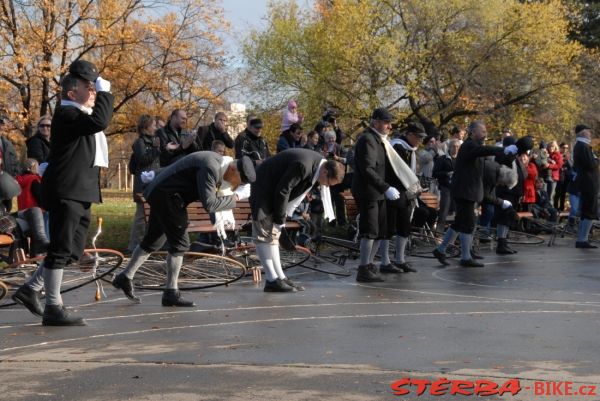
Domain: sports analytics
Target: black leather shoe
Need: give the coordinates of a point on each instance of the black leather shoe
(585, 245)
(405, 267)
(278, 285)
(57, 315)
(390, 269)
(30, 299)
(293, 285)
(368, 275)
(440, 257)
(173, 298)
(123, 283)
(470, 263)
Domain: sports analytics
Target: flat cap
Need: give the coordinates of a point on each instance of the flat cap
(246, 169)
(524, 144)
(84, 69)
(415, 128)
(382, 114)
(581, 127)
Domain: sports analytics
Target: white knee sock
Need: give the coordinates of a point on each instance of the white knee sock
(138, 258)
(374, 250)
(52, 282)
(276, 261)
(401, 248)
(36, 282)
(173, 267)
(384, 249)
(264, 254)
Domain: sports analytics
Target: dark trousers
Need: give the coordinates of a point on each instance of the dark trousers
(69, 223)
(589, 204)
(445, 204)
(168, 218)
(559, 195)
(372, 220)
(398, 217)
(338, 202)
(464, 222)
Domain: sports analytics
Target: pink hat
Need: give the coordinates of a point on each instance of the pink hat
(291, 104)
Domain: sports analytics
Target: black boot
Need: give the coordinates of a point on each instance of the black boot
(297, 287)
(502, 248)
(57, 315)
(441, 257)
(30, 299)
(475, 255)
(173, 298)
(366, 274)
(279, 285)
(123, 283)
(470, 263)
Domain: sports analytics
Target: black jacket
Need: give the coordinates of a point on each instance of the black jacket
(468, 170)
(585, 164)
(38, 148)
(71, 173)
(442, 167)
(166, 135)
(10, 161)
(490, 179)
(255, 147)
(209, 133)
(280, 179)
(368, 182)
(147, 158)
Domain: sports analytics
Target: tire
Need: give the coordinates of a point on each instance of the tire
(422, 246)
(3, 290)
(198, 271)
(521, 238)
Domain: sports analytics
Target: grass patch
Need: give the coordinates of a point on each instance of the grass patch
(117, 211)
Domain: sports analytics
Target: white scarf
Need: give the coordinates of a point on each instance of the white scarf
(101, 156)
(325, 197)
(405, 174)
(413, 151)
(584, 140)
(224, 219)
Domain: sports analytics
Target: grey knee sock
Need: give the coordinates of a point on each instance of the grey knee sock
(52, 282)
(466, 241)
(276, 261)
(36, 282)
(585, 225)
(501, 231)
(264, 254)
(138, 257)
(173, 267)
(401, 248)
(384, 249)
(449, 238)
(366, 245)
(374, 250)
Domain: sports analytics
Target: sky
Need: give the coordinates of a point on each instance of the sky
(243, 15)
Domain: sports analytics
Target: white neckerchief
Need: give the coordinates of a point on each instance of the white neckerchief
(405, 174)
(329, 214)
(224, 219)
(413, 153)
(101, 156)
(584, 140)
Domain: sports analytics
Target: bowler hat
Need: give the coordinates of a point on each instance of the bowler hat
(84, 69)
(246, 169)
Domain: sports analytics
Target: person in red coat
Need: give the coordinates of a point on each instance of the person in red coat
(555, 163)
(532, 173)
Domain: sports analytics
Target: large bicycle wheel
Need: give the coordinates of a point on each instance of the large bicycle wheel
(198, 271)
(341, 243)
(246, 254)
(3, 290)
(293, 258)
(422, 245)
(521, 238)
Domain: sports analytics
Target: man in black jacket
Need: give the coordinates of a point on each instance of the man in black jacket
(252, 143)
(10, 161)
(71, 184)
(215, 131)
(370, 190)
(282, 182)
(38, 146)
(585, 164)
(175, 143)
(467, 191)
(198, 176)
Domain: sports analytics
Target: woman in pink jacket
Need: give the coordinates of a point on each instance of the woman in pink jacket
(555, 163)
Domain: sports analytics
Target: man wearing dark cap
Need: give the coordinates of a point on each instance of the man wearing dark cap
(200, 176)
(175, 142)
(399, 211)
(370, 190)
(585, 165)
(70, 184)
(467, 191)
(251, 142)
(282, 182)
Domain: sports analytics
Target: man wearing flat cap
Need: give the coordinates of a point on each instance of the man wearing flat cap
(282, 182)
(70, 184)
(370, 190)
(585, 165)
(199, 176)
(251, 143)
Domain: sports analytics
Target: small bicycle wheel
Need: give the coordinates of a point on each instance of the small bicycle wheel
(422, 246)
(198, 271)
(521, 238)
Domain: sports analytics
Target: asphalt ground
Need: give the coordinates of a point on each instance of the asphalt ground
(530, 319)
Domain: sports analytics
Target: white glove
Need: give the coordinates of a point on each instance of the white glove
(242, 191)
(392, 193)
(147, 176)
(511, 150)
(506, 204)
(102, 85)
